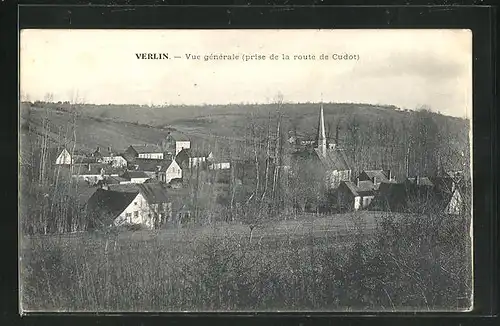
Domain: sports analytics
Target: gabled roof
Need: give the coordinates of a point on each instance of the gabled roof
(83, 192)
(166, 165)
(363, 188)
(106, 205)
(391, 196)
(134, 174)
(177, 136)
(333, 159)
(378, 174)
(82, 159)
(95, 168)
(149, 165)
(154, 193)
(114, 180)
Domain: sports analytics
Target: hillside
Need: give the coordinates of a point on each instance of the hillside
(378, 131)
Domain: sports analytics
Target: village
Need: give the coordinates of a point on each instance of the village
(148, 185)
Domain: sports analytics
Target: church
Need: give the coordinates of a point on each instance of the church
(330, 160)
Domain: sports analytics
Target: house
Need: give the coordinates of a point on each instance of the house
(149, 166)
(106, 208)
(355, 195)
(135, 176)
(147, 151)
(93, 172)
(439, 194)
(191, 158)
(109, 157)
(175, 142)
(419, 188)
(169, 170)
(448, 191)
(156, 204)
(391, 197)
(64, 158)
(147, 206)
(376, 176)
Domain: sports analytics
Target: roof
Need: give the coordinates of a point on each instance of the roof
(127, 187)
(149, 165)
(108, 204)
(391, 196)
(147, 148)
(154, 193)
(83, 192)
(81, 159)
(114, 180)
(166, 164)
(177, 136)
(333, 159)
(90, 168)
(134, 174)
(362, 188)
(378, 174)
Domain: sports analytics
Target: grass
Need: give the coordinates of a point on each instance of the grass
(313, 263)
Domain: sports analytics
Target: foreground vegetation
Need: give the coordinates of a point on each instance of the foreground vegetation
(406, 263)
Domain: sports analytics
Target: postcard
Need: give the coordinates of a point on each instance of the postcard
(245, 170)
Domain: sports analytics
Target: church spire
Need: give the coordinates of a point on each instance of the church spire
(321, 138)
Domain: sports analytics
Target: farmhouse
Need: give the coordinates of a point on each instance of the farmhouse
(93, 172)
(355, 196)
(170, 170)
(148, 166)
(152, 208)
(147, 151)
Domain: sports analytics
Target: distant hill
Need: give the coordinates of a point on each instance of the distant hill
(118, 126)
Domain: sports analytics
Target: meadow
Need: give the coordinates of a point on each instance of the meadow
(352, 262)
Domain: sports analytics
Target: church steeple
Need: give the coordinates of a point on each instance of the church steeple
(321, 137)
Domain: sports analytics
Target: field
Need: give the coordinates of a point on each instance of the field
(333, 263)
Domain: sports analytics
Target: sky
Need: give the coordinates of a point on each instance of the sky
(405, 68)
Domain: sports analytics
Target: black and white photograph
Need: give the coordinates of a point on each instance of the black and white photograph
(271, 170)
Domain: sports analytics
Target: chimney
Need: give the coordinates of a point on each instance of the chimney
(388, 173)
(89, 167)
(417, 180)
(374, 180)
(357, 182)
(98, 149)
(109, 149)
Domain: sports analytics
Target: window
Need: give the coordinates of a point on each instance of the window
(136, 214)
(135, 203)
(128, 215)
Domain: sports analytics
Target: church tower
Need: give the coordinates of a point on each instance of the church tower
(321, 137)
